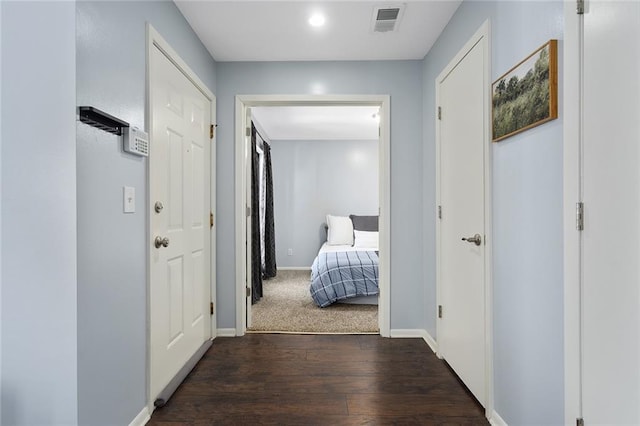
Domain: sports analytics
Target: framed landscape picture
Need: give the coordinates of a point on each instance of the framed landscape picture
(526, 95)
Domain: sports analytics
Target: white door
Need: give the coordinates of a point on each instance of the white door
(611, 195)
(179, 173)
(461, 263)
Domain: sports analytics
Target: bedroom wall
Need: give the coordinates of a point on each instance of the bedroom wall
(312, 179)
(39, 370)
(400, 79)
(527, 216)
(112, 298)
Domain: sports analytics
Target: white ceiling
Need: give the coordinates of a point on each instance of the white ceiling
(317, 123)
(242, 30)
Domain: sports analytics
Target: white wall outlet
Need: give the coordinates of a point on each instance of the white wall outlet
(290, 252)
(129, 194)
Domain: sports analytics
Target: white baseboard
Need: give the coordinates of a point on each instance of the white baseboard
(413, 333)
(406, 332)
(226, 332)
(430, 341)
(496, 420)
(294, 268)
(142, 418)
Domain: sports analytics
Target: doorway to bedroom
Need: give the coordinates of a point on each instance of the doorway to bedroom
(317, 181)
(319, 165)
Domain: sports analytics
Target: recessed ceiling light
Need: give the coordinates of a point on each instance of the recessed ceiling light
(316, 20)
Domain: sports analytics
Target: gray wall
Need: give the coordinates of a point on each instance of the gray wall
(312, 179)
(400, 79)
(39, 377)
(112, 315)
(527, 217)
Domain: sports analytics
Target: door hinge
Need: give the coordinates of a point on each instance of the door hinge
(439, 311)
(580, 7)
(580, 216)
(211, 309)
(439, 212)
(210, 220)
(248, 131)
(439, 113)
(579, 421)
(211, 130)
(248, 212)
(248, 291)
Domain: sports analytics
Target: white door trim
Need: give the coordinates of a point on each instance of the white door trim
(154, 39)
(214, 255)
(383, 101)
(572, 194)
(482, 35)
(572, 190)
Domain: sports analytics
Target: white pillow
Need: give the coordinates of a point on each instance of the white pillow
(340, 230)
(366, 239)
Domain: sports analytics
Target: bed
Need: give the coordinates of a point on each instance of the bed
(346, 273)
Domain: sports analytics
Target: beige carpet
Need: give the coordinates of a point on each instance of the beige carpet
(286, 306)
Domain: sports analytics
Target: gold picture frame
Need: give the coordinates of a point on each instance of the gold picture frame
(526, 96)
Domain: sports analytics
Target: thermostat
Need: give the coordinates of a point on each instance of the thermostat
(136, 141)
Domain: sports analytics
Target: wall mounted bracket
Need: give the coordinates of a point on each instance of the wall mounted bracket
(100, 119)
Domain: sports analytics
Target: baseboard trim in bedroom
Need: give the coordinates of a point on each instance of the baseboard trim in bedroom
(294, 268)
(413, 333)
(226, 332)
(496, 420)
(142, 418)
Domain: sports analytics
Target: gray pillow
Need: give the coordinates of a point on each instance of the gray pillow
(364, 223)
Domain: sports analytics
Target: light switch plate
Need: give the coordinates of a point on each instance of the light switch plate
(129, 194)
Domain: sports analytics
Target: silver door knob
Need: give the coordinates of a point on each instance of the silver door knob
(161, 242)
(476, 239)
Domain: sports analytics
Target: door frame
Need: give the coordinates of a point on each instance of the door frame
(482, 35)
(155, 40)
(243, 102)
(572, 190)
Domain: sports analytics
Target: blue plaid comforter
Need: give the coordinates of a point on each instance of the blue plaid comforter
(343, 274)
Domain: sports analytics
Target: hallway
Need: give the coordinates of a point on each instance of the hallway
(319, 379)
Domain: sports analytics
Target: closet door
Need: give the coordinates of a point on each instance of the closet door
(611, 195)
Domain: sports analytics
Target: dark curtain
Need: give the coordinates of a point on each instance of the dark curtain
(270, 269)
(256, 256)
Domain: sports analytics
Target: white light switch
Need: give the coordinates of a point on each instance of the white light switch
(129, 199)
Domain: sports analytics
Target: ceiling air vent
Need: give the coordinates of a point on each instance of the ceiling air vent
(387, 18)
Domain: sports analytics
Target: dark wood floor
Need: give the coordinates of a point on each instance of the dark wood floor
(269, 379)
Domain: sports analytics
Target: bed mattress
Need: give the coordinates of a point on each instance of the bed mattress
(340, 273)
